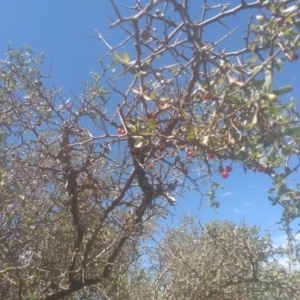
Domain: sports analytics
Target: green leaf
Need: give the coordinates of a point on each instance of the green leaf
(286, 150)
(253, 59)
(292, 131)
(258, 83)
(253, 46)
(191, 135)
(254, 119)
(278, 67)
(268, 85)
(153, 96)
(291, 16)
(283, 90)
(249, 126)
(138, 145)
(205, 140)
(174, 70)
(133, 71)
(150, 124)
(126, 57)
(119, 58)
(255, 27)
(146, 66)
(285, 198)
(131, 127)
(137, 138)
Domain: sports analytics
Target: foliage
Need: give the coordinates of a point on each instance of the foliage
(216, 261)
(84, 179)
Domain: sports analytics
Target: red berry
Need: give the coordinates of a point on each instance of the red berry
(190, 153)
(294, 56)
(225, 138)
(151, 115)
(206, 96)
(150, 167)
(281, 21)
(133, 150)
(225, 174)
(228, 169)
(179, 118)
(121, 131)
(211, 155)
(185, 171)
(260, 169)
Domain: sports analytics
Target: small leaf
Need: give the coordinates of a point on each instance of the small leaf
(249, 126)
(118, 57)
(146, 66)
(285, 198)
(253, 59)
(255, 27)
(291, 16)
(137, 138)
(205, 140)
(174, 70)
(126, 57)
(131, 127)
(138, 145)
(253, 47)
(278, 67)
(258, 83)
(191, 135)
(292, 131)
(254, 119)
(283, 90)
(163, 99)
(268, 85)
(153, 96)
(272, 97)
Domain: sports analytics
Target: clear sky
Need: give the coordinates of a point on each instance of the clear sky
(56, 27)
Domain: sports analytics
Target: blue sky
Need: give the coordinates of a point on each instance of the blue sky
(57, 27)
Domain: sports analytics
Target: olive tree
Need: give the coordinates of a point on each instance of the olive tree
(85, 178)
(219, 260)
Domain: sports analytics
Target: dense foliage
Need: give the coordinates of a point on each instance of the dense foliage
(216, 261)
(84, 179)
